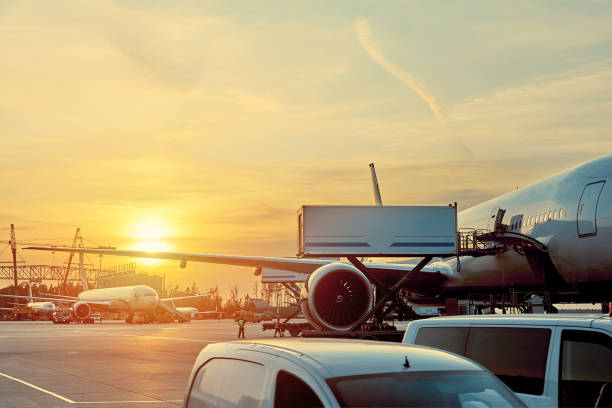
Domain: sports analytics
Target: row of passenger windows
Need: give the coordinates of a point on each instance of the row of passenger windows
(557, 214)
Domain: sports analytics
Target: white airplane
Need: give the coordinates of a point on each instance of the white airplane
(134, 300)
(38, 307)
(558, 239)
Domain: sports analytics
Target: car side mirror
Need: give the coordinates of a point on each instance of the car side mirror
(605, 396)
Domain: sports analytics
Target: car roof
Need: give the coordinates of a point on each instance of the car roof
(341, 357)
(536, 319)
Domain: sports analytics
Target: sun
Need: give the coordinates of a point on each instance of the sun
(150, 229)
(149, 234)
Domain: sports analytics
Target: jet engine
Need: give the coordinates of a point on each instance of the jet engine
(82, 310)
(336, 296)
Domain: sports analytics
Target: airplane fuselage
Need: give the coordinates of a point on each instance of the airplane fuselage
(139, 298)
(570, 213)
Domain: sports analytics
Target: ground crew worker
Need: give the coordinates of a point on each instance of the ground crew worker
(277, 328)
(241, 327)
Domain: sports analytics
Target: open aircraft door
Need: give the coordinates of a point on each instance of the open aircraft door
(587, 209)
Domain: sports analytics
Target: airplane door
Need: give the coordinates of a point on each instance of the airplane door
(587, 209)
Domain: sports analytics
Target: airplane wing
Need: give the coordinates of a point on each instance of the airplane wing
(46, 299)
(182, 297)
(60, 297)
(428, 280)
(288, 264)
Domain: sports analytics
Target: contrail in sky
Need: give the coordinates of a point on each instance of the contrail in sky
(368, 42)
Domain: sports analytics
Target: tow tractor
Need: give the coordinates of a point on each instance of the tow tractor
(293, 328)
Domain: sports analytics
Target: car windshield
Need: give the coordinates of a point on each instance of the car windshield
(474, 389)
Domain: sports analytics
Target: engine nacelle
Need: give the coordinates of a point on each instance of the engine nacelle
(336, 296)
(81, 310)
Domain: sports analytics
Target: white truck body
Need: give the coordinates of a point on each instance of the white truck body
(547, 359)
(393, 231)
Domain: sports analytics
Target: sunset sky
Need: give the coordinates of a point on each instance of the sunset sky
(200, 126)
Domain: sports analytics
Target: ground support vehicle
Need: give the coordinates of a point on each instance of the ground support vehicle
(23, 313)
(211, 315)
(395, 336)
(62, 316)
(248, 316)
(294, 329)
(332, 372)
(547, 359)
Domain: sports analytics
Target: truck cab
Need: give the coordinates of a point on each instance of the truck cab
(547, 360)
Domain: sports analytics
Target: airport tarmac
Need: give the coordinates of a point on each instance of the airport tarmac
(109, 364)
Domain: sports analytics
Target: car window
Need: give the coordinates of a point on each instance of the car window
(452, 339)
(225, 382)
(423, 389)
(586, 364)
(517, 356)
(293, 392)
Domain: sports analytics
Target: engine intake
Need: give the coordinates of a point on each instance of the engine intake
(336, 296)
(82, 310)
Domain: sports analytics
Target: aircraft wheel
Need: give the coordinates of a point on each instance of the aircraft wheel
(294, 332)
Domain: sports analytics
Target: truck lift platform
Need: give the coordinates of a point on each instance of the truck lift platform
(425, 232)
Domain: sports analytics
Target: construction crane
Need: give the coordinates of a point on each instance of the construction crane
(78, 239)
(13, 243)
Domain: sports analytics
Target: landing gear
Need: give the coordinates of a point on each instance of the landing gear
(389, 294)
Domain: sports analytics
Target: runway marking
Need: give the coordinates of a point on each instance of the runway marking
(68, 400)
(127, 402)
(157, 337)
(38, 388)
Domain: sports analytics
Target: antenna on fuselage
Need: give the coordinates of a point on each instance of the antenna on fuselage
(377, 198)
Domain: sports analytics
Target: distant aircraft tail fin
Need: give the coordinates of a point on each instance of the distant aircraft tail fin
(377, 198)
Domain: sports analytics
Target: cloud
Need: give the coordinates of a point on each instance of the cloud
(369, 44)
(568, 113)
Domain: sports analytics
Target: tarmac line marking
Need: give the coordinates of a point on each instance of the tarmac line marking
(126, 402)
(38, 388)
(157, 337)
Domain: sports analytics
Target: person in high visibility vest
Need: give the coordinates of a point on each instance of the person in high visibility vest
(241, 327)
(277, 328)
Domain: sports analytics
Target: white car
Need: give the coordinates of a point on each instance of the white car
(338, 372)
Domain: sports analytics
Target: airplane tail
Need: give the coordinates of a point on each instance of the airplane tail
(377, 197)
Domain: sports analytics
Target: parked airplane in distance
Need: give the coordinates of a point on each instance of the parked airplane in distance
(557, 240)
(134, 300)
(42, 308)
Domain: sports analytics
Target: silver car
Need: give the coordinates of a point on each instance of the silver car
(336, 372)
